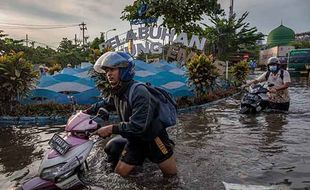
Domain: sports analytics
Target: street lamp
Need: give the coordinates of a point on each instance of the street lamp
(106, 33)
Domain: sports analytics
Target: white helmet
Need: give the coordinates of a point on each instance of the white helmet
(273, 60)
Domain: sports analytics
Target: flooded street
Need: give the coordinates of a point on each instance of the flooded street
(213, 144)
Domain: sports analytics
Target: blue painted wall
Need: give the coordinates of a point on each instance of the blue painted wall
(51, 87)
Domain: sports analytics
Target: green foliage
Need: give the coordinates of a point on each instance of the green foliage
(95, 43)
(301, 44)
(47, 109)
(68, 53)
(54, 68)
(9, 44)
(181, 15)
(201, 73)
(42, 56)
(240, 72)
(94, 55)
(17, 78)
(228, 35)
(101, 82)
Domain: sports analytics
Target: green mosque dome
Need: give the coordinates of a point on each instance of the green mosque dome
(280, 36)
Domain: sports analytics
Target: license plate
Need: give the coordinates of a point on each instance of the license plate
(58, 144)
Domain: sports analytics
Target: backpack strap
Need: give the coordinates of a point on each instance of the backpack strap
(131, 90)
(267, 75)
(282, 74)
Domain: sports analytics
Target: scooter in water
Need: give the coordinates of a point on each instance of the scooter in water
(255, 100)
(64, 165)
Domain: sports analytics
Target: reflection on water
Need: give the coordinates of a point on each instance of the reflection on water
(214, 144)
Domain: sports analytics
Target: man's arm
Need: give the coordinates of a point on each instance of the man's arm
(261, 78)
(105, 103)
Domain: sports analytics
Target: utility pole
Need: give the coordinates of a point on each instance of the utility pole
(26, 40)
(83, 28)
(75, 39)
(102, 35)
(32, 44)
(231, 8)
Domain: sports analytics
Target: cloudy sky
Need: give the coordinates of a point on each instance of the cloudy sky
(18, 17)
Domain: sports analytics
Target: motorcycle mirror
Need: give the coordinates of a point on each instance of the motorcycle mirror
(103, 113)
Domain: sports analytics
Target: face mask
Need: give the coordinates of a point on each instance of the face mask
(273, 68)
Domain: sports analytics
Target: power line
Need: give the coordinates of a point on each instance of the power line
(37, 28)
(51, 25)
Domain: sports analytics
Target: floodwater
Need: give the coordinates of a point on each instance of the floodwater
(214, 144)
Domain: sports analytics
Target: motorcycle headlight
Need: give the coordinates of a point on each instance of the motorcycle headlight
(65, 175)
(51, 173)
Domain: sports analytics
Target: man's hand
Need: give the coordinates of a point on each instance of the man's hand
(272, 90)
(105, 131)
(244, 86)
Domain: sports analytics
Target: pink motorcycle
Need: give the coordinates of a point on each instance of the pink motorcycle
(63, 166)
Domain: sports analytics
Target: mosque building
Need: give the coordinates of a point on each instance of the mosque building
(278, 43)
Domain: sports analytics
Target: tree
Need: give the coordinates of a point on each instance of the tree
(228, 35)
(182, 15)
(9, 44)
(66, 46)
(2, 44)
(43, 56)
(95, 43)
(301, 44)
(68, 53)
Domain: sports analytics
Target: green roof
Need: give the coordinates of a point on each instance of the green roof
(280, 36)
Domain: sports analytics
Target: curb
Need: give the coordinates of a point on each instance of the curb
(60, 120)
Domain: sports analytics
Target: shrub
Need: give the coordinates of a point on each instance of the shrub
(47, 109)
(201, 73)
(17, 78)
(54, 68)
(240, 71)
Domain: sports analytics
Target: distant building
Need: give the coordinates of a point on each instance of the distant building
(278, 44)
(302, 36)
(280, 36)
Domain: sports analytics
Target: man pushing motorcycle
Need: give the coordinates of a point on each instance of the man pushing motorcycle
(280, 80)
(142, 133)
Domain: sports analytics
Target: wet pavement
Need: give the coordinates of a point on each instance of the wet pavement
(213, 144)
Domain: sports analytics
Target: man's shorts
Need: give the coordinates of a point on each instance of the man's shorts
(156, 150)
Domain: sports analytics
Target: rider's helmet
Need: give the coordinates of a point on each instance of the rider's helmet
(273, 64)
(121, 60)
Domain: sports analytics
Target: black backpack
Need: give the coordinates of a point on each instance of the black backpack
(167, 103)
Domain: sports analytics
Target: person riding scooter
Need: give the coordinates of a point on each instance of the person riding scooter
(280, 80)
(143, 134)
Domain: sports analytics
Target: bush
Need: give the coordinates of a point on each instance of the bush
(240, 71)
(201, 73)
(54, 68)
(17, 78)
(48, 109)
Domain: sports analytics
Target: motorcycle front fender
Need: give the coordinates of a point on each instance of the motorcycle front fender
(244, 110)
(37, 183)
